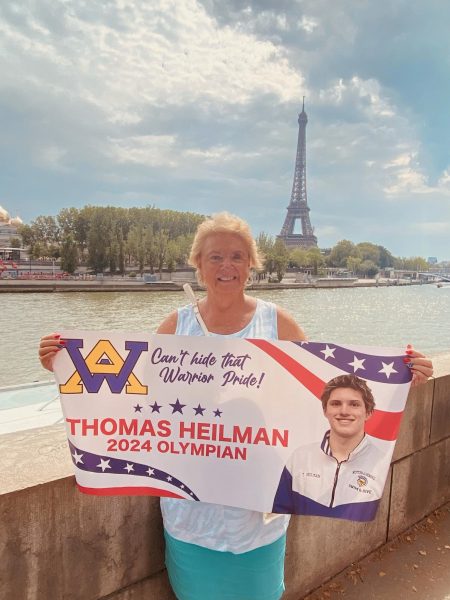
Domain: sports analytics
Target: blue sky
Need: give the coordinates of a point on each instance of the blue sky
(193, 104)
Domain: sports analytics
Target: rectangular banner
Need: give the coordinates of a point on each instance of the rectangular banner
(273, 426)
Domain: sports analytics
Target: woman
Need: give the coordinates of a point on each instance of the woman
(217, 552)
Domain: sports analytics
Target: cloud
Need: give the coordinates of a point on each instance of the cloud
(192, 104)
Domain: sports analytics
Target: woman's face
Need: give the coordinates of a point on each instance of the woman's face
(224, 262)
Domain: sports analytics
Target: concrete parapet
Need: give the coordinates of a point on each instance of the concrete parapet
(420, 483)
(415, 427)
(57, 543)
(440, 425)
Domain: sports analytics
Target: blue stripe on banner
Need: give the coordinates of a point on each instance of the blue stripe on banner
(289, 502)
(384, 369)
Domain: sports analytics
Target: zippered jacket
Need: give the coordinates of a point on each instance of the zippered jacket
(313, 482)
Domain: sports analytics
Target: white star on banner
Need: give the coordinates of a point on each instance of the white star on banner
(387, 369)
(77, 457)
(328, 352)
(150, 472)
(358, 363)
(169, 478)
(104, 464)
(129, 468)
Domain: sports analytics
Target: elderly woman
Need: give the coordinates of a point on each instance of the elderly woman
(218, 552)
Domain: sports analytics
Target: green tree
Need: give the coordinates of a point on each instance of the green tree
(299, 258)
(369, 251)
(315, 259)
(353, 264)
(280, 258)
(386, 258)
(368, 268)
(14, 242)
(69, 254)
(265, 244)
(341, 252)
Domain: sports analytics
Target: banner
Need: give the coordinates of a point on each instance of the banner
(233, 421)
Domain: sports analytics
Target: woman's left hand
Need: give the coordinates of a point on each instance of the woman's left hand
(421, 366)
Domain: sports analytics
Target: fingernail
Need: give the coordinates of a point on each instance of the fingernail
(60, 346)
(406, 359)
(410, 365)
(409, 352)
(56, 336)
(409, 346)
(62, 341)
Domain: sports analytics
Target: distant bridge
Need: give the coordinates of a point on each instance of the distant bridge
(442, 276)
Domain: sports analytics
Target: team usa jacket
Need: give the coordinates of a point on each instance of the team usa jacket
(313, 482)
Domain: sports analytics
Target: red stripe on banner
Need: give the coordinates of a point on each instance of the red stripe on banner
(311, 382)
(128, 491)
(383, 425)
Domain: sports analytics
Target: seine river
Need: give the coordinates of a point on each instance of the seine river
(392, 316)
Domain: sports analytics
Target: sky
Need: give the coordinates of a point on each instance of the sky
(193, 105)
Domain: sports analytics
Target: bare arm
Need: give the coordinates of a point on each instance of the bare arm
(169, 325)
(288, 329)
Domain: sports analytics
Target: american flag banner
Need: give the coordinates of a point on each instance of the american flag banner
(268, 425)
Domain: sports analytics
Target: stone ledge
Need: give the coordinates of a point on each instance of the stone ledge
(58, 543)
(420, 483)
(440, 424)
(414, 433)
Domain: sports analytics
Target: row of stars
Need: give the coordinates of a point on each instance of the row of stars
(358, 363)
(104, 465)
(177, 407)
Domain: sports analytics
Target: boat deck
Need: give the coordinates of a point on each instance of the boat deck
(28, 406)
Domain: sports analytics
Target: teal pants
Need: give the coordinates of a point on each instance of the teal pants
(197, 573)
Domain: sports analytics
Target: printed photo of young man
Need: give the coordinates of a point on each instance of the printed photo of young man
(343, 475)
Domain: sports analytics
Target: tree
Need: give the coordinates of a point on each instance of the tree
(341, 252)
(315, 259)
(299, 258)
(353, 264)
(265, 246)
(14, 242)
(161, 246)
(368, 268)
(369, 251)
(280, 258)
(386, 258)
(69, 254)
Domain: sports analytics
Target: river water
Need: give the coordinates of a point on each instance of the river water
(392, 316)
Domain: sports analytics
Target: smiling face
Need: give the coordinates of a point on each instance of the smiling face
(224, 262)
(346, 412)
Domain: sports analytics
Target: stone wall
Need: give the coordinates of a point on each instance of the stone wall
(58, 544)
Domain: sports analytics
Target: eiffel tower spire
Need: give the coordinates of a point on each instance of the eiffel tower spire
(298, 207)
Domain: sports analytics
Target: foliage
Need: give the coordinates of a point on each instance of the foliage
(112, 238)
(280, 256)
(69, 254)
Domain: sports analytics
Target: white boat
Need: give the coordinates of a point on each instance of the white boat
(28, 406)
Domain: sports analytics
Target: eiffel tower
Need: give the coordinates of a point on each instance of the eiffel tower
(298, 207)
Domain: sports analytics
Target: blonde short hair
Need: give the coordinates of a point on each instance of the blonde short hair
(224, 222)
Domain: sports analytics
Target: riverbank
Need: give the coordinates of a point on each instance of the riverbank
(138, 285)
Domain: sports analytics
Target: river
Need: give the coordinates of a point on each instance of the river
(392, 316)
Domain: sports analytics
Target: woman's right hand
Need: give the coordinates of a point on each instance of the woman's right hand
(48, 347)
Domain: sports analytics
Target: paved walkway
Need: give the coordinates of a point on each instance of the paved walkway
(416, 566)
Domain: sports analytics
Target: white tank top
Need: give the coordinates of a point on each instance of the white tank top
(214, 526)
